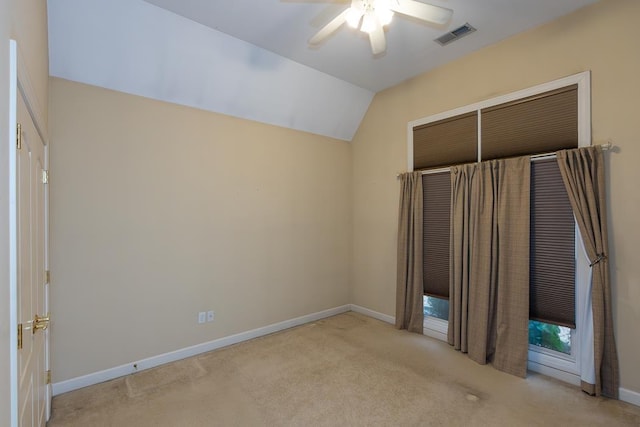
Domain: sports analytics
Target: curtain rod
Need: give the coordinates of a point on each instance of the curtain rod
(605, 147)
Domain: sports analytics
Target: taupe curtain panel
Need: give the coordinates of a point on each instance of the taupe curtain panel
(409, 314)
(583, 175)
(489, 277)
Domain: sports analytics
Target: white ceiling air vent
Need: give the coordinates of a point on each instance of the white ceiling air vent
(456, 34)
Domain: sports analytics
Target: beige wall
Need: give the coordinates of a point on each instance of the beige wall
(601, 38)
(148, 199)
(159, 211)
(26, 22)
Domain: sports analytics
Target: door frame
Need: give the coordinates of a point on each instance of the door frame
(20, 85)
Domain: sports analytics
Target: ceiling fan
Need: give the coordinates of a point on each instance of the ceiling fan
(370, 16)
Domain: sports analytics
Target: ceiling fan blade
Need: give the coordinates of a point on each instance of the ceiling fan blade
(423, 11)
(377, 39)
(332, 26)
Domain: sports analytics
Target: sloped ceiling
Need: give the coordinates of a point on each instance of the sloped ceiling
(135, 47)
(250, 58)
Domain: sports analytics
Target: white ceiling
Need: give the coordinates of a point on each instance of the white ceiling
(285, 26)
(251, 59)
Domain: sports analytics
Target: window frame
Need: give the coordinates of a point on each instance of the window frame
(432, 326)
(556, 364)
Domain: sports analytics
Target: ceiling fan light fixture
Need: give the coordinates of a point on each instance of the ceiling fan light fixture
(369, 23)
(385, 16)
(353, 17)
(371, 16)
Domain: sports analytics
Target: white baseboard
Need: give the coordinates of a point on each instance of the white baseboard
(629, 396)
(151, 362)
(433, 329)
(61, 387)
(374, 314)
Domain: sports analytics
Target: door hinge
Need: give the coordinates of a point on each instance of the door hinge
(19, 336)
(47, 277)
(48, 377)
(45, 176)
(19, 136)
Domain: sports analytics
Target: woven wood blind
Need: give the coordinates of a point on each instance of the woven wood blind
(552, 265)
(542, 123)
(446, 142)
(436, 189)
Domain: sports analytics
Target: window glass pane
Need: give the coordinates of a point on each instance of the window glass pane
(436, 307)
(553, 337)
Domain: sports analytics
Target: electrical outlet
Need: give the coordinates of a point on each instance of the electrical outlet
(202, 317)
(210, 316)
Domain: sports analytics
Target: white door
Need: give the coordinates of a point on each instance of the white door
(31, 393)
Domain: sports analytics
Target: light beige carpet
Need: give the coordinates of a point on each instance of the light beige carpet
(347, 370)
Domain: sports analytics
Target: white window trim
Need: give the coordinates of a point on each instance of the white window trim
(435, 328)
(548, 362)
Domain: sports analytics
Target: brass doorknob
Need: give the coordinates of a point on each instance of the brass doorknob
(40, 323)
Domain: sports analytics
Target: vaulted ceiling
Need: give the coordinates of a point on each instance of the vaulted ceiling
(251, 58)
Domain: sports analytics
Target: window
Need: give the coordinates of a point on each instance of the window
(539, 123)
(535, 121)
(545, 356)
(550, 336)
(436, 307)
(552, 297)
(436, 317)
(552, 257)
(552, 248)
(436, 190)
(509, 126)
(446, 142)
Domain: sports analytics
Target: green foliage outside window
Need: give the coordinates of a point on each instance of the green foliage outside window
(553, 337)
(436, 307)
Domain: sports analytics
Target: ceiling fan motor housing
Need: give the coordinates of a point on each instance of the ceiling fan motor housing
(370, 16)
